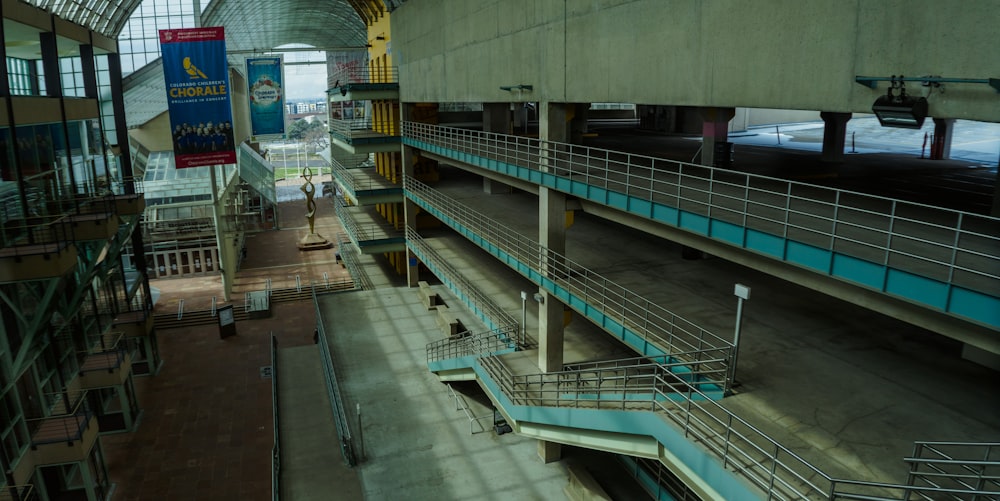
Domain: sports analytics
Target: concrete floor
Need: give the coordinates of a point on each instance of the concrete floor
(845, 387)
(418, 444)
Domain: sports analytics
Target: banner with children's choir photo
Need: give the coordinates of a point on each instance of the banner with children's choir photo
(197, 76)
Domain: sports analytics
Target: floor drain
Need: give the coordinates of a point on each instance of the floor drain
(265, 372)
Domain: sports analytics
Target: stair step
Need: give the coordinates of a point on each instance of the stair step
(204, 317)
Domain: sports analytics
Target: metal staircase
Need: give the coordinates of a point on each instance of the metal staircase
(683, 398)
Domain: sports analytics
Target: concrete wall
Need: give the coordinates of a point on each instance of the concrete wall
(783, 54)
(155, 134)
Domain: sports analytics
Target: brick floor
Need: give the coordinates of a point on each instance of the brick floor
(206, 430)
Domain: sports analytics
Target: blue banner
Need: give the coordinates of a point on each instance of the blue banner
(197, 76)
(267, 97)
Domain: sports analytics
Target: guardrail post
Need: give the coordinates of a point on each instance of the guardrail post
(361, 432)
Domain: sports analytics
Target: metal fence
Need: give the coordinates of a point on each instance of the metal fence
(359, 179)
(276, 447)
(363, 232)
(366, 74)
(347, 447)
(949, 246)
(780, 473)
(653, 323)
(474, 344)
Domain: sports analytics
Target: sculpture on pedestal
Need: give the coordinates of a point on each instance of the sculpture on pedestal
(313, 240)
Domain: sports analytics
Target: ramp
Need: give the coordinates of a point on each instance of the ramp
(311, 464)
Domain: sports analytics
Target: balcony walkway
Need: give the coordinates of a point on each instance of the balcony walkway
(814, 372)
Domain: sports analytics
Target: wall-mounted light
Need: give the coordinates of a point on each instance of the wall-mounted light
(517, 87)
(380, 37)
(900, 111)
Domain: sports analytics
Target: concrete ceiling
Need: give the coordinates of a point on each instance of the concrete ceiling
(106, 17)
(252, 26)
(256, 25)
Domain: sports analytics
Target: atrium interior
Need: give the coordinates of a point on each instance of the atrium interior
(599, 250)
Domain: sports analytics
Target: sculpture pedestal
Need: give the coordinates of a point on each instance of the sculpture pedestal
(314, 241)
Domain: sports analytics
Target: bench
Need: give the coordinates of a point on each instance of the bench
(449, 323)
(430, 298)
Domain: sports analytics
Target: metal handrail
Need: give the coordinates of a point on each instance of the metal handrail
(347, 447)
(362, 232)
(356, 182)
(477, 301)
(343, 127)
(881, 491)
(736, 442)
(657, 479)
(128, 187)
(276, 447)
(113, 352)
(349, 255)
(71, 410)
(955, 465)
(952, 246)
(478, 344)
(462, 405)
(770, 466)
(24, 492)
(36, 235)
(344, 76)
(652, 322)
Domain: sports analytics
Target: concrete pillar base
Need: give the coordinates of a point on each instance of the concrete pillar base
(715, 131)
(995, 212)
(497, 118)
(495, 187)
(412, 269)
(551, 322)
(943, 131)
(549, 452)
(834, 135)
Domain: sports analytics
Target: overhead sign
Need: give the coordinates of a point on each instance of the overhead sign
(267, 97)
(197, 77)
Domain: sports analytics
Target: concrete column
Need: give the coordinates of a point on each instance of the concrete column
(552, 122)
(549, 452)
(410, 220)
(578, 122)
(943, 131)
(552, 126)
(552, 235)
(834, 135)
(995, 212)
(496, 118)
(714, 130)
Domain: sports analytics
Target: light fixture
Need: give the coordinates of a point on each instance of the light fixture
(517, 87)
(900, 111)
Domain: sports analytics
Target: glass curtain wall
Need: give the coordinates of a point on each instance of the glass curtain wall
(139, 42)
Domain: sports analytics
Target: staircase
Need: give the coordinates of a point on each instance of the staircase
(682, 399)
(186, 319)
